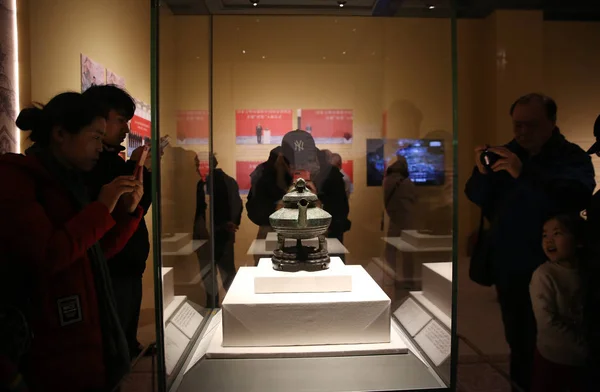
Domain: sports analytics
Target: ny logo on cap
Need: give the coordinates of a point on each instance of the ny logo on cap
(299, 145)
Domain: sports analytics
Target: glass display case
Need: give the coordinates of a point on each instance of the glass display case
(363, 109)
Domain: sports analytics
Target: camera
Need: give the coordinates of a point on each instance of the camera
(488, 158)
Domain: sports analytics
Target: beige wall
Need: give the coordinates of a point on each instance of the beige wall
(381, 70)
(399, 65)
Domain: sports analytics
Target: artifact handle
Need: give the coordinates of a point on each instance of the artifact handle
(302, 208)
(300, 185)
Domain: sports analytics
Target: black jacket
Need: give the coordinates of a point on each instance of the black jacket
(264, 194)
(558, 180)
(131, 261)
(331, 190)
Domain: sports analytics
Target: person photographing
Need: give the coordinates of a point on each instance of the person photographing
(54, 242)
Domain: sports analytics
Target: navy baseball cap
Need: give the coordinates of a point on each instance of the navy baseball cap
(299, 148)
(596, 146)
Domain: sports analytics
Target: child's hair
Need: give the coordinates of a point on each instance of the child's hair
(572, 224)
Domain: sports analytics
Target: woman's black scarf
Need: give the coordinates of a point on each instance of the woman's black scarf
(116, 352)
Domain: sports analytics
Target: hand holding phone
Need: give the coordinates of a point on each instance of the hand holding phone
(164, 142)
(138, 173)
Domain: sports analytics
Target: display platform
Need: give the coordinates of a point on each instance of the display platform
(437, 285)
(168, 287)
(334, 279)
(426, 315)
(403, 246)
(259, 247)
(407, 371)
(175, 241)
(425, 240)
(294, 319)
(217, 351)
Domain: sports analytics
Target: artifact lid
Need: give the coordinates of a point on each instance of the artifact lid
(300, 192)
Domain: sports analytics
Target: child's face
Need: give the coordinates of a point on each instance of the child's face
(558, 244)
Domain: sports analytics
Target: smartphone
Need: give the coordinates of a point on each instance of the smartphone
(137, 173)
(304, 174)
(164, 142)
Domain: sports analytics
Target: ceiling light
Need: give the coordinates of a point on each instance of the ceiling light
(243, 52)
(264, 57)
(341, 3)
(344, 52)
(431, 6)
(254, 2)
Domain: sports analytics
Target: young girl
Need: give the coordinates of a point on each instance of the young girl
(557, 298)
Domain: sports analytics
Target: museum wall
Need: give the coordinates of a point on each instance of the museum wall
(367, 65)
(572, 77)
(401, 68)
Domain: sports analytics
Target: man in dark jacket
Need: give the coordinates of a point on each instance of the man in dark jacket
(126, 267)
(268, 183)
(591, 271)
(537, 175)
(331, 190)
(227, 216)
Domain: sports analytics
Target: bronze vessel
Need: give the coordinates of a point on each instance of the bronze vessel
(300, 218)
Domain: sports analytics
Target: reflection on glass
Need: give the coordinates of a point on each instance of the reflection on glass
(360, 110)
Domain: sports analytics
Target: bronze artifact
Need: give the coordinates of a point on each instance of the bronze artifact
(300, 218)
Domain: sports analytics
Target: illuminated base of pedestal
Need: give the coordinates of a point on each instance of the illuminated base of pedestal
(360, 316)
(216, 349)
(336, 278)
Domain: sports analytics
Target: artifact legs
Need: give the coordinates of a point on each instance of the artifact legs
(322, 243)
(280, 242)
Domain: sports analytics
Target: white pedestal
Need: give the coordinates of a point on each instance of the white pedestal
(266, 137)
(420, 240)
(336, 278)
(437, 285)
(302, 319)
(271, 242)
(176, 242)
(216, 349)
(168, 287)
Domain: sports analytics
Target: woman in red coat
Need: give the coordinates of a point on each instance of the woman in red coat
(53, 245)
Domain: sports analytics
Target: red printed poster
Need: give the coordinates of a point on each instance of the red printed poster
(192, 127)
(140, 127)
(331, 126)
(243, 169)
(348, 168)
(262, 126)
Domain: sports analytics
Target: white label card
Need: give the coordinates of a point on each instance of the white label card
(435, 341)
(175, 344)
(412, 316)
(187, 319)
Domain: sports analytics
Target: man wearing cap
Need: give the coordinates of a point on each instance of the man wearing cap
(537, 175)
(268, 183)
